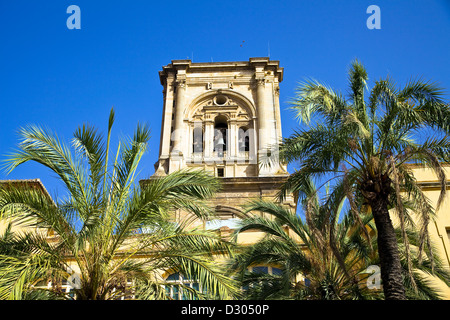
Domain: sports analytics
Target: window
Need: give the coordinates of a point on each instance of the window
(197, 144)
(72, 293)
(276, 271)
(226, 217)
(220, 172)
(220, 135)
(173, 277)
(260, 269)
(176, 291)
(267, 270)
(231, 223)
(307, 282)
(244, 139)
(254, 284)
(220, 100)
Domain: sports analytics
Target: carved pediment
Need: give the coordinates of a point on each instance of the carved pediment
(222, 102)
(241, 114)
(198, 115)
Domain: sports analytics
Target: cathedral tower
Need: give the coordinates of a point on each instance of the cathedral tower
(224, 117)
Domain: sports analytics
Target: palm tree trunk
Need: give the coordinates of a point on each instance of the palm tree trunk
(391, 270)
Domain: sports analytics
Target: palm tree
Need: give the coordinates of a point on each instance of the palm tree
(332, 253)
(107, 229)
(369, 146)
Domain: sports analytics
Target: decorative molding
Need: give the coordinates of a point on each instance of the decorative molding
(277, 90)
(234, 98)
(181, 83)
(260, 82)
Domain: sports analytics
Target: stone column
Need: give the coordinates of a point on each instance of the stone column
(179, 130)
(264, 128)
(209, 138)
(278, 122)
(263, 115)
(254, 142)
(189, 140)
(232, 144)
(276, 100)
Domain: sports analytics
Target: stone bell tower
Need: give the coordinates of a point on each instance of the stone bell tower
(224, 117)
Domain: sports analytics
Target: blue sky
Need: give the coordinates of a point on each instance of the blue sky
(61, 78)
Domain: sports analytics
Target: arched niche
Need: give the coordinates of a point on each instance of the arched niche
(227, 102)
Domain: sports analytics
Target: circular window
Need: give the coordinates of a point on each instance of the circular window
(220, 99)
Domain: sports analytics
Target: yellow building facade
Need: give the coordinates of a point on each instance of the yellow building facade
(439, 227)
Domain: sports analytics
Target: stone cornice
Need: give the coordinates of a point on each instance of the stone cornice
(194, 67)
(28, 184)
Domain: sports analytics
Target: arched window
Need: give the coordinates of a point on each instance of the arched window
(230, 222)
(244, 139)
(226, 217)
(177, 285)
(197, 140)
(220, 135)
